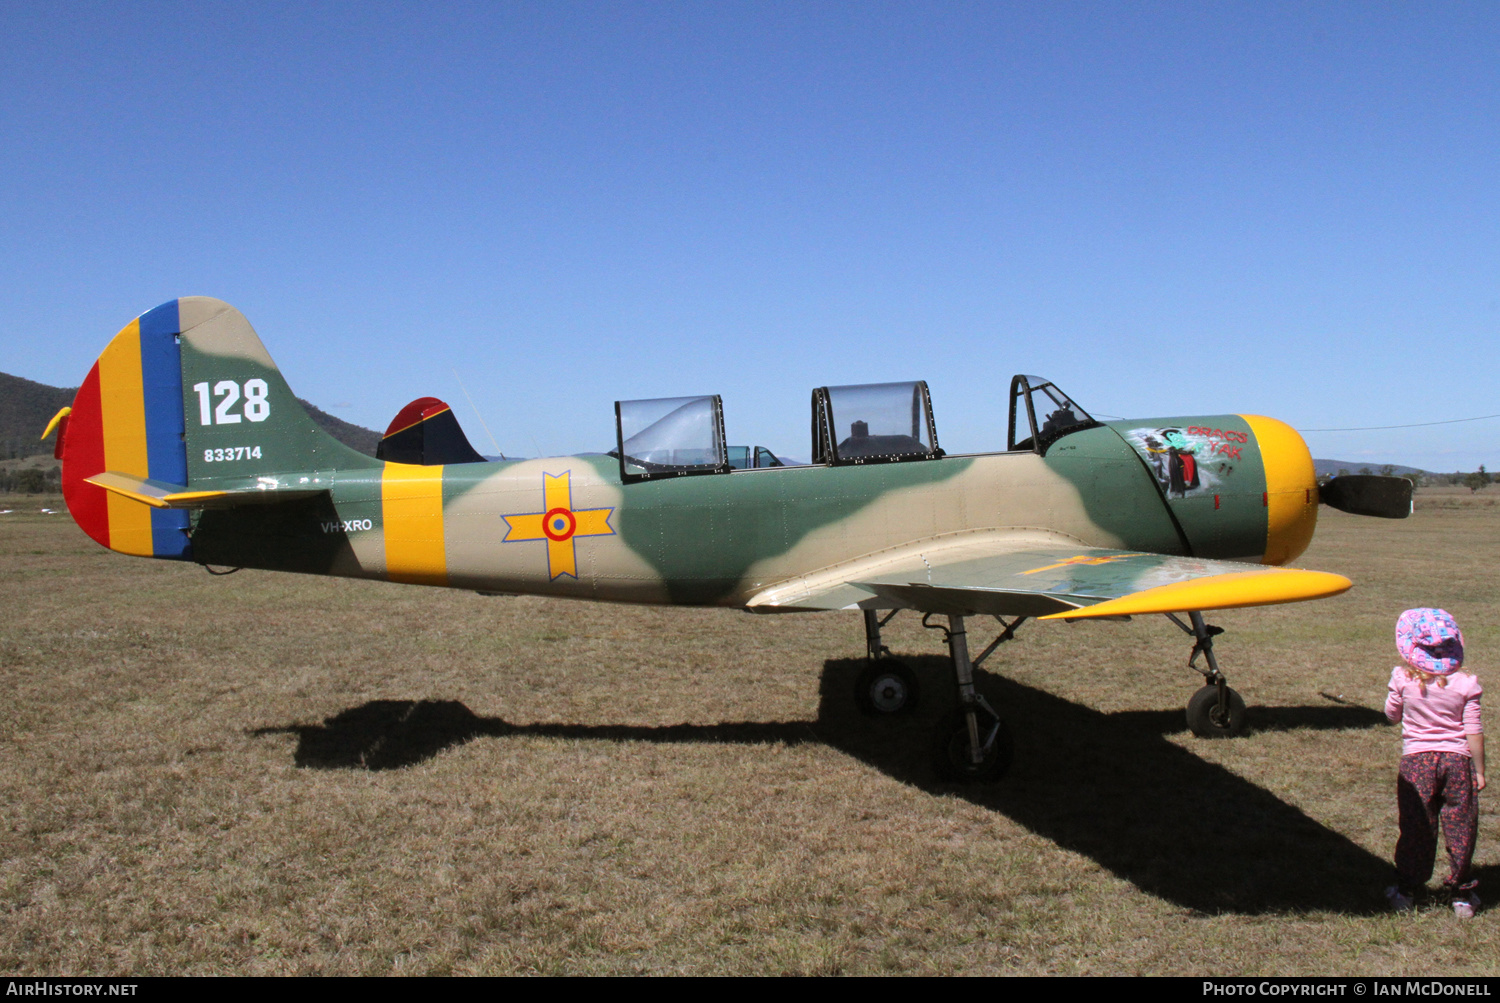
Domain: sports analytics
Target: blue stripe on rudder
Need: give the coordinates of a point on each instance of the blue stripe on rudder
(166, 455)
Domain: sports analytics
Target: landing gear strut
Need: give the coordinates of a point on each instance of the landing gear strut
(886, 686)
(973, 743)
(1215, 711)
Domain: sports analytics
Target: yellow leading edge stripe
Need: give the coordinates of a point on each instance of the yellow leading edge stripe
(1231, 591)
(411, 498)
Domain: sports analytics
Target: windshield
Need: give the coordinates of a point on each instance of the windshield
(1040, 413)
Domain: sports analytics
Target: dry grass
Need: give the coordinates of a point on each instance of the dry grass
(276, 774)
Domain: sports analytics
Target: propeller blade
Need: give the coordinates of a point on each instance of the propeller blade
(1368, 494)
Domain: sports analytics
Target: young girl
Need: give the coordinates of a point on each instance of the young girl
(1442, 758)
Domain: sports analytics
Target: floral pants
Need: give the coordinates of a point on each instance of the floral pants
(1436, 788)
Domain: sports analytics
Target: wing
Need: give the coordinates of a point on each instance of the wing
(1046, 577)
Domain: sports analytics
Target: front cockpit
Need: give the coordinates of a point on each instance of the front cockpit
(873, 423)
(1032, 397)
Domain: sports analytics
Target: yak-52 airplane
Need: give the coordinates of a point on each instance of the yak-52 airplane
(185, 443)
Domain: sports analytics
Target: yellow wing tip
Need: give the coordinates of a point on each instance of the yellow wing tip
(1232, 591)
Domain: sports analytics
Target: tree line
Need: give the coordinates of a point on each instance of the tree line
(1476, 480)
(31, 481)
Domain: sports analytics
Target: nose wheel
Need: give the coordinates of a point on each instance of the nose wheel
(1215, 711)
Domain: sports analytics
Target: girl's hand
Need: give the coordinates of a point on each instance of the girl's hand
(1478, 782)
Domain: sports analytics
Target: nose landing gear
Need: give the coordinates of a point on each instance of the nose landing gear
(1215, 711)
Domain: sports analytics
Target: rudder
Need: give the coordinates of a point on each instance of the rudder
(127, 418)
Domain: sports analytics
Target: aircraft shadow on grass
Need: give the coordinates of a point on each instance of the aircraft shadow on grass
(1109, 787)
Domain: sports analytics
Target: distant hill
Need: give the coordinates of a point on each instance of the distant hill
(352, 435)
(1330, 468)
(26, 407)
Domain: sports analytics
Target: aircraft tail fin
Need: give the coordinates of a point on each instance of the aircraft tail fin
(185, 404)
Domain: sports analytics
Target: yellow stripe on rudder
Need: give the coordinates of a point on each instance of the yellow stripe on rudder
(122, 404)
(411, 498)
(1291, 488)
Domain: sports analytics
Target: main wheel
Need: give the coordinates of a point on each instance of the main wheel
(1207, 721)
(886, 686)
(951, 756)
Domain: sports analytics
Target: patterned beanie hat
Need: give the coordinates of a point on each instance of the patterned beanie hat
(1430, 641)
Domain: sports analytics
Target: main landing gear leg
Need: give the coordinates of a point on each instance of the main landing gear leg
(886, 686)
(1215, 711)
(974, 743)
(873, 646)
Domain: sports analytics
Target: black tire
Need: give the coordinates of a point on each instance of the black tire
(886, 687)
(951, 755)
(1205, 719)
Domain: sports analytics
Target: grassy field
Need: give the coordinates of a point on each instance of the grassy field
(275, 774)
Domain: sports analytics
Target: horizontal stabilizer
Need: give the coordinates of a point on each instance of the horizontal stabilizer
(1368, 494)
(160, 494)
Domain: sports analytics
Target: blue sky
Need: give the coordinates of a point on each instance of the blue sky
(1169, 209)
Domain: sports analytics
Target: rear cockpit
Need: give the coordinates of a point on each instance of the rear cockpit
(670, 437)
(851, 425)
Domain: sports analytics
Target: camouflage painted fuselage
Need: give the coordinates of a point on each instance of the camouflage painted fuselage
(187, 399)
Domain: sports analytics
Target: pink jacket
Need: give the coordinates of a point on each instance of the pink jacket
(1438, 720)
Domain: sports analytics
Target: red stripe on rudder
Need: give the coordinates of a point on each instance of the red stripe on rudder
(83, 456)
